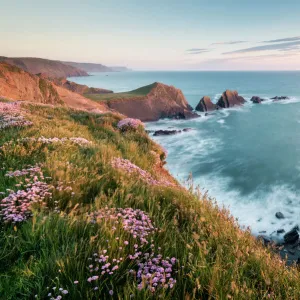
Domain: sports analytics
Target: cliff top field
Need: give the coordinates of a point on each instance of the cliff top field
(89, 212)
(142, 91)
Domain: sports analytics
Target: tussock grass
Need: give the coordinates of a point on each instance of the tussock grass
(216, 260)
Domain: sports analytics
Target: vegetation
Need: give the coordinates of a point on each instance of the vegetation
(56, 247)
(140, 92)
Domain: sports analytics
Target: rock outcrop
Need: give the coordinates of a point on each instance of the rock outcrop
(17, 84)
(79, 88)
(49, 68)
(205, 104)
(159, 101)
(229, 99)
(256, 99)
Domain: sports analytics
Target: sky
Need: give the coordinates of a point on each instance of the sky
(156, 34)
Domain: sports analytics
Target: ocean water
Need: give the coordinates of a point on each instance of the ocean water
(247, 158)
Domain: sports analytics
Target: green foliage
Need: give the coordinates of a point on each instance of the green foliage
(216, 259)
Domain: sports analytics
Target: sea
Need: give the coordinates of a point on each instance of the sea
(246, 158)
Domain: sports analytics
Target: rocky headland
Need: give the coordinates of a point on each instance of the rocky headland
(151, 103)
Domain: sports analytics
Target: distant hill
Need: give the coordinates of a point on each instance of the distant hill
(92, 67)
(50, 68)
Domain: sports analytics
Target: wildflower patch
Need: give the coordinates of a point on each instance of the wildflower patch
(130, 168)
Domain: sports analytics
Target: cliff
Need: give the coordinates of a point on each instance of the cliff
(94, 67)
(17, 84)
(49, 68)
(149, 103)
(88, 212)
(79, 88)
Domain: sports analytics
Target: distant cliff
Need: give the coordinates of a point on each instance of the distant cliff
(93, 67)
(88, 67)
(50, 68)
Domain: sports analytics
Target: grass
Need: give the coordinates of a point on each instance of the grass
(216, 260)
(140, 92)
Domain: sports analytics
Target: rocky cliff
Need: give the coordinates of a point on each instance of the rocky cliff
(49, 68)
(17, 84)
(205, 104)
(159, 101)
(229, 99)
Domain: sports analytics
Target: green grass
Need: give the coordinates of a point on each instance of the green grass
(216, 260)
(140, 92)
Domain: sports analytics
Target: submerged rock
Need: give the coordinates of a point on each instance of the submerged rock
(292, 236)
(205, 104)
(229, 99)
(256, 99)
(166, 132)
(279, 215)
(276, 98)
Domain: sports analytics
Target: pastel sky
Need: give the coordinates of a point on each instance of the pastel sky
(156, 34)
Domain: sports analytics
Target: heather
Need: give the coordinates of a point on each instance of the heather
(88, 212)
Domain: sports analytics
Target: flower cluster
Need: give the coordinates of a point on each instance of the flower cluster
(32, 171)
(134, 221)
(154, 272)
(129, 123)
(76, 140)
(57, 293)
(10, 116)
(130, 168)
(16, 207)
(100, 266)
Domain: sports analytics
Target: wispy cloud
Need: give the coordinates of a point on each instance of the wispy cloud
(291, 46)
(290, 39)
(229, 43)
(197, 50)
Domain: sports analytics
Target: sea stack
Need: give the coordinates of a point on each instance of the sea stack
(205, 104)
(229, 99)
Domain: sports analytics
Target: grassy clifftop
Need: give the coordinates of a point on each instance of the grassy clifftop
(143, 91)
(105, 228)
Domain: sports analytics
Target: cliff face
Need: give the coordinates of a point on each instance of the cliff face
(229, 99)
(161, 101)
(16, 84)
(79, 88)
(49, 68)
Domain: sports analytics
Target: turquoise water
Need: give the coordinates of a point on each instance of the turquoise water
(248, 158)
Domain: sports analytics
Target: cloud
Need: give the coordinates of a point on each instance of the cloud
(198, 50)
(279, 47)
(291, 39)
(229, 43)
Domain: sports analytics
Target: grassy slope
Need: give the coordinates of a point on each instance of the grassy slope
(216, 259)
(143, 91)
